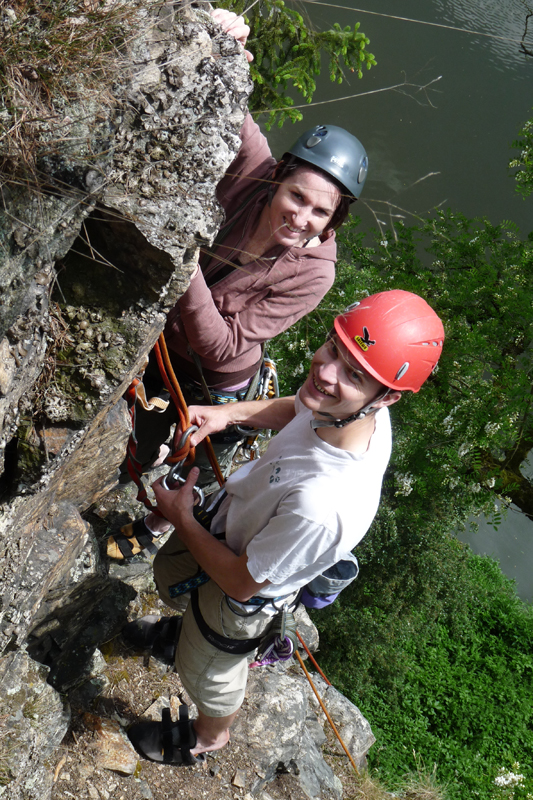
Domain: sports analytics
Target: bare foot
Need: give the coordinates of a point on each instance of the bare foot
(157, 525)
(205, 746)
(164, 450)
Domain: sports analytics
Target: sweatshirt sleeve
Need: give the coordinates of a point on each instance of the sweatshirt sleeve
(253, 162)
(266, 314)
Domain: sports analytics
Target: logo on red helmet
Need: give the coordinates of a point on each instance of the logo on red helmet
(364, 341)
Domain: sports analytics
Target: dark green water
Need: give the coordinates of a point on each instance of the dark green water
(458, 131)
(448, 144)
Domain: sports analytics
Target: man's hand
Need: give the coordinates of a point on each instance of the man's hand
(209, 419)
(273, 414)
(176, 505)
(235, 26)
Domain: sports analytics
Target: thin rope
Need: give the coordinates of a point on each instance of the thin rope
(347, 97)
(305, 647)
(417, 21)
(324, 709)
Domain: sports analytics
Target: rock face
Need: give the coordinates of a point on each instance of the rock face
(95, 256)
(98, 242)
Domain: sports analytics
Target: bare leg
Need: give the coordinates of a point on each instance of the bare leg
(212, 732)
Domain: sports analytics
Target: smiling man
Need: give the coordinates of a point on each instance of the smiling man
(287, 517)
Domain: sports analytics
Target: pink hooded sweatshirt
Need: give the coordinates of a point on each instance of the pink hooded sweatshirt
(227, 324)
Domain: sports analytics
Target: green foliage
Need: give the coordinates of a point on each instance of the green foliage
(463, 702)
(524, 163)
(287, 52)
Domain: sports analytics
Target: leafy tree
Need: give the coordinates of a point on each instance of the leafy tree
(524, 163)
(288, 52)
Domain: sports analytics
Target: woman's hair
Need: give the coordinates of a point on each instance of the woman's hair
(289, 164)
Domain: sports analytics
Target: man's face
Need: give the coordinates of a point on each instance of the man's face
(337, 384)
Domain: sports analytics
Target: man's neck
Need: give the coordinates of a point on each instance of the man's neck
(354, 437)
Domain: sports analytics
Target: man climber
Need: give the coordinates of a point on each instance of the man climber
(287, 517)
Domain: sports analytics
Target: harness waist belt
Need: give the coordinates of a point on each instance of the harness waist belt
(235, 646)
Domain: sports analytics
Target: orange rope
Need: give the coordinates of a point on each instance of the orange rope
(312, 659)
(172, 384)
(324, 709)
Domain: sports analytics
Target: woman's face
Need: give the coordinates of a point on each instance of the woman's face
(302, 207)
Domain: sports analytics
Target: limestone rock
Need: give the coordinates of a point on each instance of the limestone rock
(282, 733)
(33, 721)
(111, 747)
(93, 263)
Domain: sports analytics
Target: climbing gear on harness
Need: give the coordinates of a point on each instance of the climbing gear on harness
(281, 641)
(158, 634)
(325, 588)
(396, 337)
(336, 152)
(136, 536)
(267, 388)
(182, 451)
(173, 479)
(167, 742)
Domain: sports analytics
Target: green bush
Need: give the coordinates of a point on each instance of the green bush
(462, 700)
(288, 55)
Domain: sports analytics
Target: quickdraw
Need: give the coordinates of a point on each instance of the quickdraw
(267, 388)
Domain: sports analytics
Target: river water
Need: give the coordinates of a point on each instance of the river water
(447, 144)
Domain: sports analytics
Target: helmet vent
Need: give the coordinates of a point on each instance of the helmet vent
(313, 141)
(401, 372)
(363, 169)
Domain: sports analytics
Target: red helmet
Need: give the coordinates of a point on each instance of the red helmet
(395, 336)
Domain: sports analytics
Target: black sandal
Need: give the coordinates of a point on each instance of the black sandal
(132, 539)
(158, 634)
(167, 742)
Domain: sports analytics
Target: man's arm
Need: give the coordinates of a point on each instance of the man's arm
(227, 569)
(273, 414)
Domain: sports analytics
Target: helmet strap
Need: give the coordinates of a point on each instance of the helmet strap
(340, 423)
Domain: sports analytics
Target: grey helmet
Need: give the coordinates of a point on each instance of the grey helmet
(336, 152)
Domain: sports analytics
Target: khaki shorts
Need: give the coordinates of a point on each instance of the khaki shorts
(214, 680)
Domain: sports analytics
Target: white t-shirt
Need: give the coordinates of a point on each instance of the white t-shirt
(304, 505)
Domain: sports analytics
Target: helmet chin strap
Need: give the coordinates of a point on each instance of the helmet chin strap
(340, 423)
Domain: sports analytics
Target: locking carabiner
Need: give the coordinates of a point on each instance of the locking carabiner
(173, 478)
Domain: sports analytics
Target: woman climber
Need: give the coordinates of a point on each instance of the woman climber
(270, 265)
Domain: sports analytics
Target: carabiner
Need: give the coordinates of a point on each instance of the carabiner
(173, 478)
